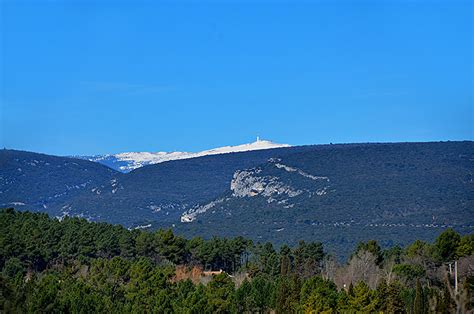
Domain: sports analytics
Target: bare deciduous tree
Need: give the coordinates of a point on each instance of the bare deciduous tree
(361, 267)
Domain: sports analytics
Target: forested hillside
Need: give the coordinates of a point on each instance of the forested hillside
(40, 182)
(162, 192)
(343, 194)
(337, 194)
(67, 186)
(72, 265)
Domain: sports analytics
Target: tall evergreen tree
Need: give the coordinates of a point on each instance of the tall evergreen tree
(395, 303)
(447, 244)
(285, 265)
(382, 295)
(419, 304)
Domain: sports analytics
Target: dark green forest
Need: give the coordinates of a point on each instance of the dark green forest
(76, 266)
(393, 192)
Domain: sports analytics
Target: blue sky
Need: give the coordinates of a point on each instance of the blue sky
(89, 77)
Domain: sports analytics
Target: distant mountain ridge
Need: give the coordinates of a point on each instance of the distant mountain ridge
(338, 194)
(126, 162)
(343, 194)
(41, 182)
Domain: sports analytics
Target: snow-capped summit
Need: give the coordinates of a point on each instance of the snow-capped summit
(258, 144)
(126, 162)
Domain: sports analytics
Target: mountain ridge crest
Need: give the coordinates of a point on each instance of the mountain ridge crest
(129, 161)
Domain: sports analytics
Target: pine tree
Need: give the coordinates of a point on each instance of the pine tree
(419, 306)
(318, 295)
(350, 290)
(285, 265)
(382, 295)
(363, 299)
(445, 304)
(282, 296)
(446, 244)
(395, 303)
(242, 296)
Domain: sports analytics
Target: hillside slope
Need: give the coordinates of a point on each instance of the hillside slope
(345, 193)
(338, 194)
(162, 192)
(39, 182)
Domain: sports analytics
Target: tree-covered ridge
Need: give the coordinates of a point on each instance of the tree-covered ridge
(41, 182)
(55, 185)
(77, 266)
(343, 194)
(337, 194)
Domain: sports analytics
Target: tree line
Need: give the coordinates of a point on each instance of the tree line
(76, 266)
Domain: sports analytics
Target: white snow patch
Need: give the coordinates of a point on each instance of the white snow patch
(136, 160)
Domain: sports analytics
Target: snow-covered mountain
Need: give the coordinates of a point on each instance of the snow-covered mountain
(126, 162)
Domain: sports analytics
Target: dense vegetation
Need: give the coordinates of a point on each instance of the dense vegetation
(77, 266)
(395, 193)
(52, 184)
(43, 182)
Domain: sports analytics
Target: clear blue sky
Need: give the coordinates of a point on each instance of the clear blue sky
(86, 77)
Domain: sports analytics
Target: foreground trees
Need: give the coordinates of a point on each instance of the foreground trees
(76, 266)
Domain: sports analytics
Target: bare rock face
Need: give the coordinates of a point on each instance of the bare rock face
(254, 182)
(250, 183)
(191, 214)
